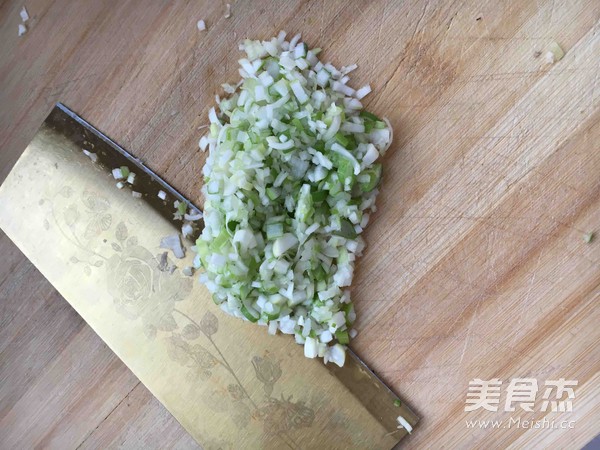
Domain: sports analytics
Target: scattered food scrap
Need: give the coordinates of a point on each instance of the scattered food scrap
(90, 155)
(193, 215)
(187, 229)
(555, 53)
(24, 18)
(201, 25)
(120, 173)
(173, 243)
(403, 423)
(24, 14)
(180, 209)
(588, 237)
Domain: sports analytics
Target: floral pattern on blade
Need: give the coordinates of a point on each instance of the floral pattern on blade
(149, 288)
(141, 290)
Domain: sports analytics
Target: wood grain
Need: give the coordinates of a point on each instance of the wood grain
(476, 267)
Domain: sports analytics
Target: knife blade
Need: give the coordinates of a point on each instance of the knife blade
(355, 376)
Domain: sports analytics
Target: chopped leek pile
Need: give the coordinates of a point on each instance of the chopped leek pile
(289, 184)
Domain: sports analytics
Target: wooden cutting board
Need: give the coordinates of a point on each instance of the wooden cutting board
(476, 266)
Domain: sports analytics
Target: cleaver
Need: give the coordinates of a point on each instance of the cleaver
(228, 382)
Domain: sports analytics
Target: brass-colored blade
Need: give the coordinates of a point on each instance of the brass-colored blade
(111, 155)
(363, 385)
(375, 396)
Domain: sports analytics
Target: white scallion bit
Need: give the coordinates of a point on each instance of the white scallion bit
(24, 14)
